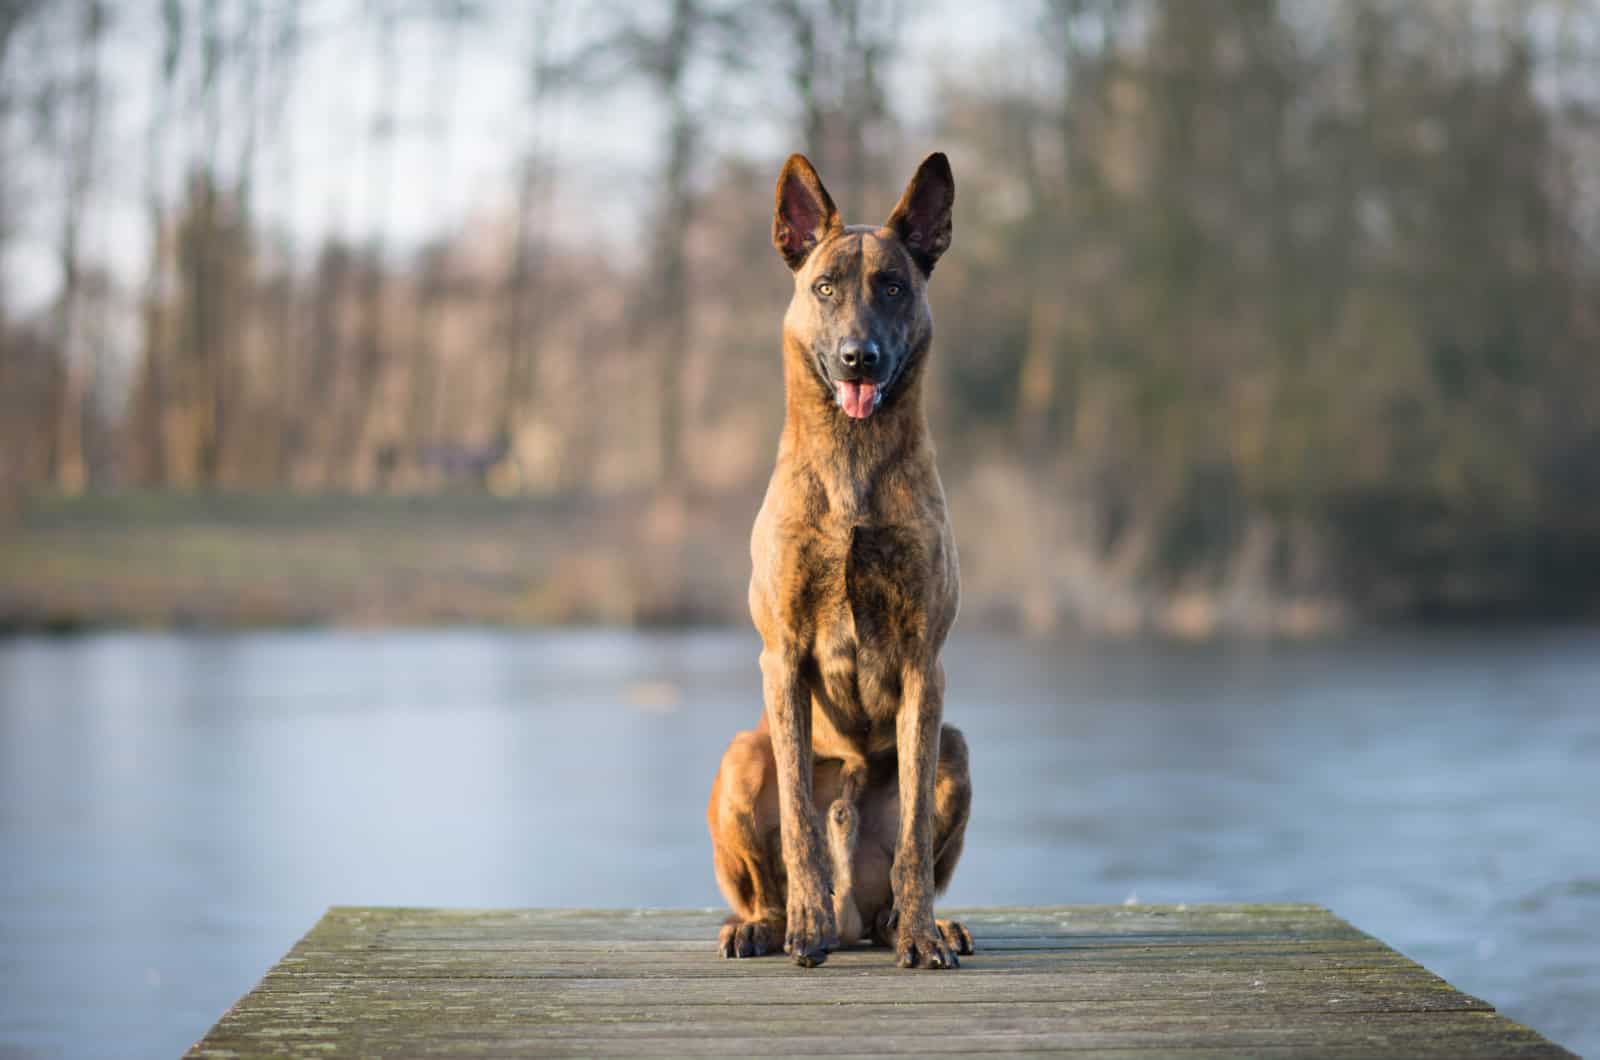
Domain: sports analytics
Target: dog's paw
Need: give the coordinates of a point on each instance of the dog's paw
(748, 938)
(956, 936)
(812, 932)
(923, 947)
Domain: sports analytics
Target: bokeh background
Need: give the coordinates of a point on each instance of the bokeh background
(1266, 383)
(1266, 317)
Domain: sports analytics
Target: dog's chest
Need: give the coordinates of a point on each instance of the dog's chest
(871, 619)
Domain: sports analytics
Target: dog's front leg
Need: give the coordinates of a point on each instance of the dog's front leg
(812, 930)
(917, 938)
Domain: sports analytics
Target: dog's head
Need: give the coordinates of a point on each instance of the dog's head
(860, 307)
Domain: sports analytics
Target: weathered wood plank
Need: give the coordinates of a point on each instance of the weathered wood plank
(644, 963)
(344, 924)
(1136, 981)
(754, 1032)
(1372, 988)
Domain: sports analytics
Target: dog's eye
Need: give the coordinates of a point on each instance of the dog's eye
(893, 290)
(825, 289)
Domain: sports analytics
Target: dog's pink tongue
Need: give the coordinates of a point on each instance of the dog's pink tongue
(858, 399)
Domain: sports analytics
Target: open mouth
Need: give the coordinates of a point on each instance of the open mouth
(858, 397)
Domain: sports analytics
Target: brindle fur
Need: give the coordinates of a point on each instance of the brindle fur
(854, 588)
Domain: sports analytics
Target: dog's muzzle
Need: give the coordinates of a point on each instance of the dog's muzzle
(858, 384)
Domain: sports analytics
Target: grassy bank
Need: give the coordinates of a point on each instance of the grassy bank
(143, 559)
(240, 560)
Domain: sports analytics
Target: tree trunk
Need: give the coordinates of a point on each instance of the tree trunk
(670, 265)
(71, 468)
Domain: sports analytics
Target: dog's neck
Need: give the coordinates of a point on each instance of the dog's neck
(848, 456)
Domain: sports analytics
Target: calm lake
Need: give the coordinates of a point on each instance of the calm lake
(176, 810)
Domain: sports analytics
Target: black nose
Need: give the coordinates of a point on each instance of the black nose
(854, 353)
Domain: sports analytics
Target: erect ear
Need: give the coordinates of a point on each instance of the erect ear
(922, 218)
(803, 214)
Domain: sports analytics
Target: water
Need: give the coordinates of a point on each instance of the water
(175, 810)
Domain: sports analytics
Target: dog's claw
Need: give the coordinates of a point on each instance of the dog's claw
(750, 938)
(809, 951)
(810, 936)
(809, 957)
(925, 949)
(956, 936)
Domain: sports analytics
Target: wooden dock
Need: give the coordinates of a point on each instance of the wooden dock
(1198, 981)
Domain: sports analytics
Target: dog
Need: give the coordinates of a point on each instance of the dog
(853, 589)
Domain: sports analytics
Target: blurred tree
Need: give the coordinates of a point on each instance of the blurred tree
(150, 459)
(29, 368)
(695, 34)
(286, 342)
(836, 52)
(450, 17)
(526, 297)
(1255, 299)
(13, 15)
(362, 397)
(70, 469)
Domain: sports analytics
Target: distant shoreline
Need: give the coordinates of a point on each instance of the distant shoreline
(142, 560)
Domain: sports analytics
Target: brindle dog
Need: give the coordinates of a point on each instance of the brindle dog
(854, 589)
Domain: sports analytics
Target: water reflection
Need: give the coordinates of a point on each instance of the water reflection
(175, 810)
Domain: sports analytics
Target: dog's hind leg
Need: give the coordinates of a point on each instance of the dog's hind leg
(844, 827)
(743, 817)
(952, 806)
